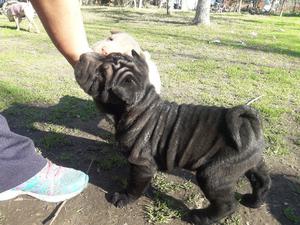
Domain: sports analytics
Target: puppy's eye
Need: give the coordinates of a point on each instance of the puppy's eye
(127, 80)
(110, 39)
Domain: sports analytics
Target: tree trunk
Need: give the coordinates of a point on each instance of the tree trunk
(240, 6)
(295, 6)
(282, 7)
(140, 4)
(160, 4)
(202, 12)
(169, 2)
(134, 4)
(167, 7)
(272, 6)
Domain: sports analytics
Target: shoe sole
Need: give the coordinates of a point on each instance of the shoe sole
(10, 194)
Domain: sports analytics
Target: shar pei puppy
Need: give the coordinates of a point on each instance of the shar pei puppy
(122, 42)
(219, 144)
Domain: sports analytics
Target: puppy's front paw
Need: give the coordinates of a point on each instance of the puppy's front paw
(199, 217)
(120, 199)
(251, 201)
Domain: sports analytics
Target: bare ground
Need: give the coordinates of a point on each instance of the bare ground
(91, 207)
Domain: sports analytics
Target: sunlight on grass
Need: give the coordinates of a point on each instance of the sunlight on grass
(236, 59)
(227, 73)
(232, 220)
(162, 211)
(161, 183)
(193, 68)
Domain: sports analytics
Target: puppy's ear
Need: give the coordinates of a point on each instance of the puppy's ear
(140, 61)
(134, 54)
(138, 57)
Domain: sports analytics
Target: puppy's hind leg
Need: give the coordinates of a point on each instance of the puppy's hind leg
(217, 185)
(260, 181)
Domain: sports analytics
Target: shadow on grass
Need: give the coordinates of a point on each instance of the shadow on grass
(142, 17)
(13, 28)
(262, 48)
(76, 142)
(283, 201)
(236, 19)
(78, 149)
(293, 14)
(124, 15)
(9, 27)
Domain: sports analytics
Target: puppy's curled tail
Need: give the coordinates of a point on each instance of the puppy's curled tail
(244, 127)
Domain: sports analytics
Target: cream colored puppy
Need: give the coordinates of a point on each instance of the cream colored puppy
(122, 42)
(17, 11)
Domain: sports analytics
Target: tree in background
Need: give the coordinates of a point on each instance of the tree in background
(169, 6)
(202, 12)
(240, 6)
(282, 7)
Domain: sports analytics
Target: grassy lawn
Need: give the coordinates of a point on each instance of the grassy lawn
(236, 59)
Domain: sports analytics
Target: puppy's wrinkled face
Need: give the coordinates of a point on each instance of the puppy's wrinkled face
(122, 79)
(120, 42)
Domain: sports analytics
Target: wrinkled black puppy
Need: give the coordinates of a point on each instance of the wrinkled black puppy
(220, 144)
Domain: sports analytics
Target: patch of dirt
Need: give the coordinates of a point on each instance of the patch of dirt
(92, 208)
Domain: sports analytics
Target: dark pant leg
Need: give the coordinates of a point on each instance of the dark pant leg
(18, 159)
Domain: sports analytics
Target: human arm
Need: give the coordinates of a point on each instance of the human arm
(62, 20)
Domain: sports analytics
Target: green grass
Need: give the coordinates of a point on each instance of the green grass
(232, 220)
(193, 69)
(161, 183)
(37, 84)
(110, 160)
(52, 140)
(290, 214)
(162, 210)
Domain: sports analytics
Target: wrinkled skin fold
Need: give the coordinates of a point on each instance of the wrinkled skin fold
(219, 144)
